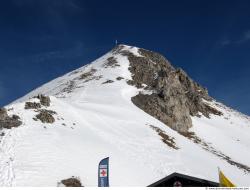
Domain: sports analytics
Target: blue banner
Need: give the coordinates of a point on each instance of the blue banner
(103, 173)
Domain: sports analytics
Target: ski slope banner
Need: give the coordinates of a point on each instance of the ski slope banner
(103, 173)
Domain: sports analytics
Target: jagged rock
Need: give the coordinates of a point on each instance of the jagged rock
(72, 182)
(175, 98)
(44, 100)
(8, 122)
(46, 116)
(32, 105)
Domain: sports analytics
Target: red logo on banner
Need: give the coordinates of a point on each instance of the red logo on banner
(103, 172)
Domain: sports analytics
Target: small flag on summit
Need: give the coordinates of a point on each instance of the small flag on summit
(103, 173)
(224, 181)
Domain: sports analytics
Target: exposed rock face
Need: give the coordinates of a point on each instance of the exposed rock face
(175, 98)
(8, 122)
(44, 100)
(46, 116)
(174, 114)
(32, 105)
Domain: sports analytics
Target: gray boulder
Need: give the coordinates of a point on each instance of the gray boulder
(7, 121)
(32, 105)
(71, 182)
(3, 113)
(44, 100)
(46, 116)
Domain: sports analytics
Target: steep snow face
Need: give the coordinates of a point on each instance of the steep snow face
(95, 118)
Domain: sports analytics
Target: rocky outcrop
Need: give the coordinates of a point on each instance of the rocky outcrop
(44, 100)
(8, 122)
(174, 114)
(111, 62)
(175, 96)
(69, 86)
(72, 182)
(170, 141)
(3, 113)
(208, 147)
(46, 116)
(32, 105)
(87, 74)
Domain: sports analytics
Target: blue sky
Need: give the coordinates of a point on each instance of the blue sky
(43, 39)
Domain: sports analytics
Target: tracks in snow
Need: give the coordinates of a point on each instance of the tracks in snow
(7, 174)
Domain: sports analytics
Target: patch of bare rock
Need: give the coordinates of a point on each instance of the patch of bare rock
(46, 116)
(90, 75)
(70, 86)
(170, 141)
(32, 105)
(8, 122)
(108, 81)
(44, 100)
(71, 182)
(119, 78)
(111, 62)
(193, 137)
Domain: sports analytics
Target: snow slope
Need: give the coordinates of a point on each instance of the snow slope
(96, 120)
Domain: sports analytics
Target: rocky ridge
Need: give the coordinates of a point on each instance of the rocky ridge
(175, 96)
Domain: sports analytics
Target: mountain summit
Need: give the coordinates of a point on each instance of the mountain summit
(133, 106)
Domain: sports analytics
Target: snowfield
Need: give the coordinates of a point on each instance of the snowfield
(96, 119)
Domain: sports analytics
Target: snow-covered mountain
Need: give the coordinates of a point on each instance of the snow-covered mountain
(130, 105)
